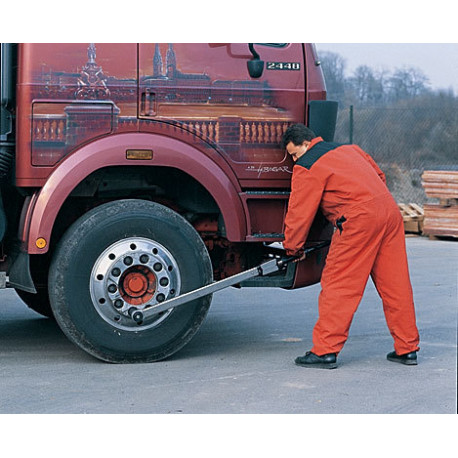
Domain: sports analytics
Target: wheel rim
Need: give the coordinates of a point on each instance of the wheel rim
(130, 275)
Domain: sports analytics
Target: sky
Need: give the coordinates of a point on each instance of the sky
(392, 34)
(438, 61)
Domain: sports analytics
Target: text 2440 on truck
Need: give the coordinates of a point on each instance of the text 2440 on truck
(134, 173)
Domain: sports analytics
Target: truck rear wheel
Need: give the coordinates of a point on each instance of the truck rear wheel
(121, 257)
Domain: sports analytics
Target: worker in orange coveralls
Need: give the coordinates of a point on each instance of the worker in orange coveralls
(351, 191)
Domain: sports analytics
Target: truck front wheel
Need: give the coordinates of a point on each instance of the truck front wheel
(121, 257)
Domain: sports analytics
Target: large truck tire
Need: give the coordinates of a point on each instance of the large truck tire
(123, 256)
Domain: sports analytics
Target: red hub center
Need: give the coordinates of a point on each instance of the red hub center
(137, 285)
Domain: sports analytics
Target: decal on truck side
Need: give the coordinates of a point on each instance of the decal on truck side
(283, 66)
(245, 118)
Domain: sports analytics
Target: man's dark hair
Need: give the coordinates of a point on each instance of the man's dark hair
(297, 133)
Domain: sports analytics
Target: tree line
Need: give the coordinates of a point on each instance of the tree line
(371, 87)
(398, 118)
(396, 113)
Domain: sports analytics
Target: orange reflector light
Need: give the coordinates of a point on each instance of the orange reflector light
(40, 243)
(139, 154)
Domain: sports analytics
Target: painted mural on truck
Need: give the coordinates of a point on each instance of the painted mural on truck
(77, 99)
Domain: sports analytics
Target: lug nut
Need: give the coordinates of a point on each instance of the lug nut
(118, 303)
(116, 272)
(112, 288)
(157, 267)
(160, 297)
(144, 258)
(128, 261)
(164, 281)
(136, 315)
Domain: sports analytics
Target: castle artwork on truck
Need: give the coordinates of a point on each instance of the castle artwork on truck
(202, 88)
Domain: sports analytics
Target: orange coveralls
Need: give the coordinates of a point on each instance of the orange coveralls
(349, 186)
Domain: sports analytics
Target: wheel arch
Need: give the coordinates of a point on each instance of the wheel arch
(110, 151)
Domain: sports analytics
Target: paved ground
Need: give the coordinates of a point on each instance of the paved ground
(241, 361)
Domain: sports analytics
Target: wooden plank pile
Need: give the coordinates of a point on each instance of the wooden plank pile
(441, 219)
(413, 217)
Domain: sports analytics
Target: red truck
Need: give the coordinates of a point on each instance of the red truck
(134, 173)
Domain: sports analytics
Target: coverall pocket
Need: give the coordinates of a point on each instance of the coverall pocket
(339, 223)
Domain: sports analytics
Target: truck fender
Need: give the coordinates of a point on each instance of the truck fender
(111, 151)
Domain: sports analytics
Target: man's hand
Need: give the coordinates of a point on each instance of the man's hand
(300, 257)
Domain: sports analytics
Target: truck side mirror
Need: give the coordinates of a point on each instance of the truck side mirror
(255, 65)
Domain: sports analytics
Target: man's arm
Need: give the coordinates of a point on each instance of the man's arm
(305, 198)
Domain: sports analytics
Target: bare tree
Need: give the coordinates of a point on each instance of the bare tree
(368, 86)
(333, 66)
(406, 83)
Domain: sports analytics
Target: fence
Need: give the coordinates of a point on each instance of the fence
(404, 142)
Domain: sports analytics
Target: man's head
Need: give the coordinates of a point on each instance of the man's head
(296, 139)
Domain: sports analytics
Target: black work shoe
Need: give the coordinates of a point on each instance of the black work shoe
(311, 360)
(409, 358)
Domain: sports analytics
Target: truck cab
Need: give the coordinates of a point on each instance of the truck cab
(138, 172)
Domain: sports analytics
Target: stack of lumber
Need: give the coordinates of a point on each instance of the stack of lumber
(441, 219)
(442, 185)
(413, 217)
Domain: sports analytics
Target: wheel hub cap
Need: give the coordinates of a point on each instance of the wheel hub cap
(137, 285)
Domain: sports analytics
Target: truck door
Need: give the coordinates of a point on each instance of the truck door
(206, 88)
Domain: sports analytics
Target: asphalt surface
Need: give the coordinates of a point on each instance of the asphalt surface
(241, 361)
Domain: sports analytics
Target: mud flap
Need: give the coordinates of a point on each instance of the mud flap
(19, 274)
(323, 118)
